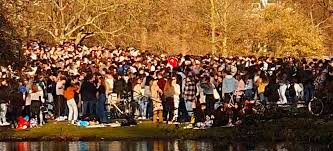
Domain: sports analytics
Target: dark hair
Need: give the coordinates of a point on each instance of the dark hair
(68, 83)
(88, 77)
(148, 79)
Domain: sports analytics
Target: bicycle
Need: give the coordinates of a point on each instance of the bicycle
(320, 106)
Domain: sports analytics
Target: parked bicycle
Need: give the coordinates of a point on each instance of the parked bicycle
(320, 106)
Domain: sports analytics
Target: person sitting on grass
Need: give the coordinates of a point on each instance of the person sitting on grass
(221, 117)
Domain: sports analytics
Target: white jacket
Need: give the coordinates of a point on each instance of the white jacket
(60, 88)
(37, 95)
(177, 91)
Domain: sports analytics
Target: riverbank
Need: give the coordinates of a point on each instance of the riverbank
(305, 130)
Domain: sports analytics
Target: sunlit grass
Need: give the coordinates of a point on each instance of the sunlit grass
(292, 129)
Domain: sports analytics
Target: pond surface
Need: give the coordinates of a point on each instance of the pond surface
(158, 145)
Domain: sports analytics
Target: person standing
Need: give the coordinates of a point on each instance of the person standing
(329, 82)
(248, 94)
(51, 90)
(88, 93)
(69, 93)
(169, 93)
(148, 97)
(139, 98)
(3, 102)
(109, 82)
(272, 91)
(261, 84)
(157, 103)
(176, 87)
(100, 106)
(283, 88)
(228, 87)
(208, 89)
(240, 88)
(185, 106)
(60, 101)
(37, 99)
(161, 82)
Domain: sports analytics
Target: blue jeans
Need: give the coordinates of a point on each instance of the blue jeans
(248, 94)
(149, 113)
(89, 106)
(308, 93)
(189, 108)
(100, 108)
(143, 103)
(183, 114)
(263, 99)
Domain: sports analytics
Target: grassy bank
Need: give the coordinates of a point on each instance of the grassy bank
(289, 129)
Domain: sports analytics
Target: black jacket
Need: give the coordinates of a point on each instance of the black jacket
(272, 93)
(122, 88)
(88, 91)
(4, 97)
(51, 87)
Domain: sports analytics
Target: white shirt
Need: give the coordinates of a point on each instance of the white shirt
(60, 88)
(36, 95)
(177, 91)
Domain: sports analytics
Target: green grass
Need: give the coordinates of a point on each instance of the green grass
(145, 130)
(295, 129)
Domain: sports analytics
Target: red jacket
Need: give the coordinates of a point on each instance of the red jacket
(161, 83)
(173, 62)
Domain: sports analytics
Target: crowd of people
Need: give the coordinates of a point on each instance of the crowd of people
(66, 82)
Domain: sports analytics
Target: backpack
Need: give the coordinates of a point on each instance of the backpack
(22, 89)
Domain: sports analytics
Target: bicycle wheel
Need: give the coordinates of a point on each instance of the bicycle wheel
(316, 107)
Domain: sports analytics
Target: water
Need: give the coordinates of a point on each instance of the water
(158, 145)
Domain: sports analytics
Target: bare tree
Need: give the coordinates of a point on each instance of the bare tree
(66, 20)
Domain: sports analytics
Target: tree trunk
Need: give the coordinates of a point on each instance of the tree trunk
(144, 37)
(213, 26)
(224, 45)
(225, 37)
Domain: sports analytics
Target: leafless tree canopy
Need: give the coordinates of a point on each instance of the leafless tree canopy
(230, 27)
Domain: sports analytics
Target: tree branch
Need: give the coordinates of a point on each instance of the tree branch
(88, 22)
(76, 16)
(50, 32)
(323, 21)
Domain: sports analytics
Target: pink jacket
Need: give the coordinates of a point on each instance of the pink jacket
(240, 88)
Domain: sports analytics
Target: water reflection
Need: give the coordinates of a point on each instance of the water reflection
(158, 145)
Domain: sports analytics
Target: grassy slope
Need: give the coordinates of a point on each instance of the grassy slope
(297, 129)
